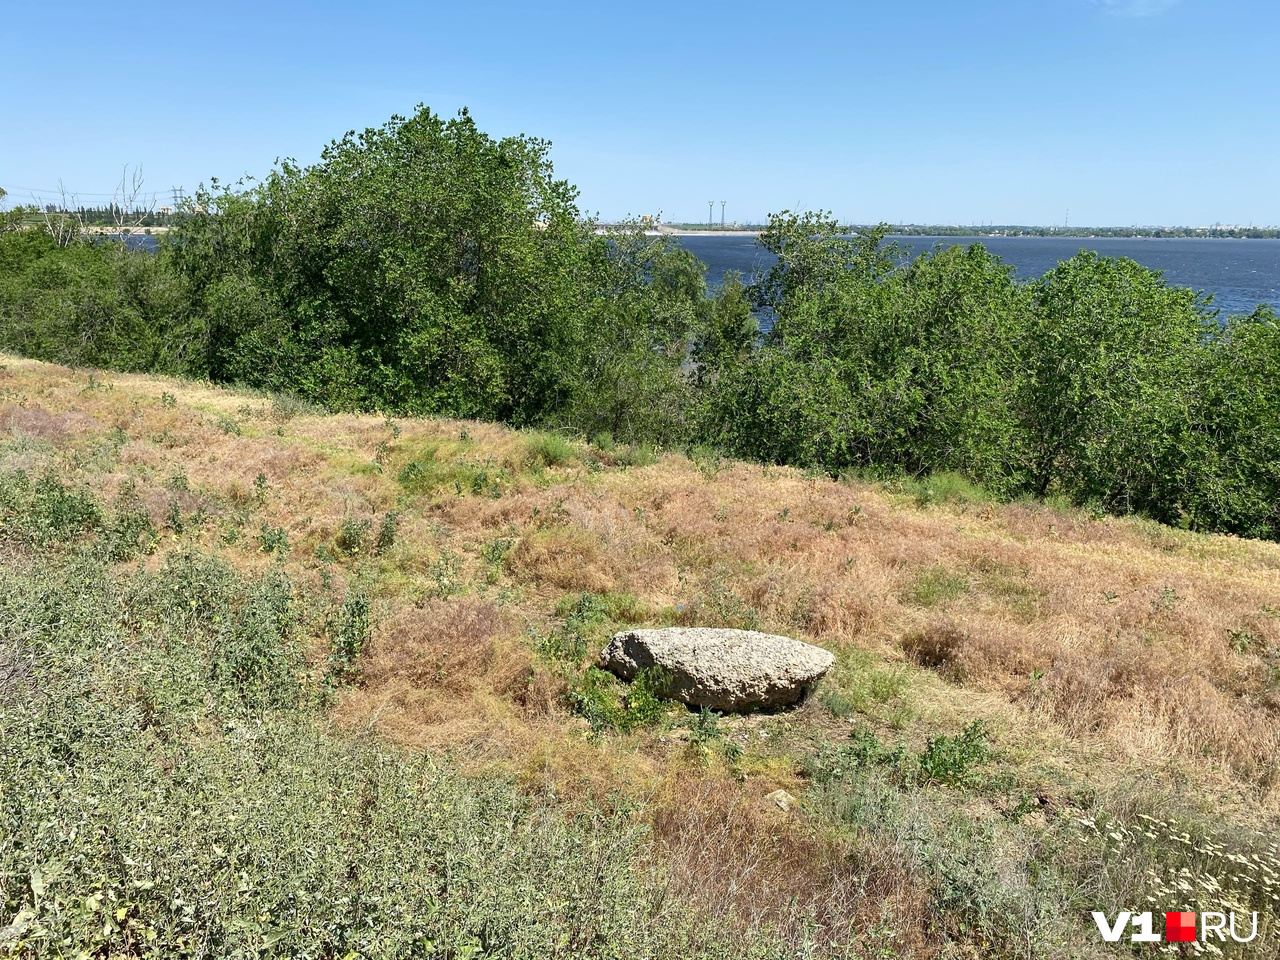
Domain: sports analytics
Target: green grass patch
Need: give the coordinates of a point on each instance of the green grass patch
(935, 585)
(430, 471)
(859, 684)
(548, 450)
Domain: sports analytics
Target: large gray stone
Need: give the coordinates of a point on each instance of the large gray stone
(721, 669)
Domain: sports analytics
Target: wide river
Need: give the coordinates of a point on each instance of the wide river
(1240, 274)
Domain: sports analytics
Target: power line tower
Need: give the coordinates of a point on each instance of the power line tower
(722, 203)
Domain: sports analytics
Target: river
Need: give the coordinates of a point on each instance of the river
(1240, 274)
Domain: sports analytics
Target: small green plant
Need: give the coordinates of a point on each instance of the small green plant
(446, 571)
(951, 759)
(607, 704)
(548, 450)
(352, 535)
(173, 518)
(386, 538)
(273, 539)
(228, 425)
(1167, 600)
(495, 551)
(945, 759)
(1241, 641)
(131, 531)
(349, 631)
(935, 585)
(168, 400)
(260, 489)
(836, 764)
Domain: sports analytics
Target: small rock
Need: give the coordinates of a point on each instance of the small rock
(782, 800)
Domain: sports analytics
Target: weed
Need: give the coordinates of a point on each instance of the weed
(386, 538)
(131, 530)
(548, 450)
(1167, 600)
(608, 704)
(349, 631)
(935, 585)
(286, 406)
(352, 535)
(446, 571)
(228, 425)
(273, 539)
(944, 487)
(950, 759)
(173, 518)
(168, 400)
(46, 512)
(260, 489)
(638, 455)
(495, 551)
(1241, 641)
(707, 731)
(945, 759)
(860, 687)
(426, 474)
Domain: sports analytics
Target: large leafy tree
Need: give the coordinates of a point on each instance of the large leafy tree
(874, 360)
(426, 267)
(1114, 361)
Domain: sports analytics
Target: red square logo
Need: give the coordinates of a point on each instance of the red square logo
(1180, 927)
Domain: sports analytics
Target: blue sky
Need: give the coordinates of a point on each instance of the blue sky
(1004, 111)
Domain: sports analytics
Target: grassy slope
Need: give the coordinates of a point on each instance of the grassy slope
(1122, 669)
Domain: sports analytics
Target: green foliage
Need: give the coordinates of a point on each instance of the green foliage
(934, 585)
(386, 538)
(349, 631)
(587, 618)
(609, 705)
(874, 364)
(859, 684)
(951, 759)
(429, 473)
(945, 759)
(1112, 358)
(273, 539)
(353, 533)
(93, 304)
(165, 790)
(549, 450)
(729, 332)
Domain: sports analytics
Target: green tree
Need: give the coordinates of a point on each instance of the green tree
(425, 267)
(1234, 467)
(1113, 362)
(729, 332)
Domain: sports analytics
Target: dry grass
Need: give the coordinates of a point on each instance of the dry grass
(1099, 650)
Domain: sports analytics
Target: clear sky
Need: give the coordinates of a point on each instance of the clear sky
(939, 111)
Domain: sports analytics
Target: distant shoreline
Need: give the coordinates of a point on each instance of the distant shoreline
(671, 232)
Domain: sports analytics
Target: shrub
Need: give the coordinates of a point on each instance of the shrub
(548, 450)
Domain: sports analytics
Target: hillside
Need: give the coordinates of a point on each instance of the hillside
(1036, 712)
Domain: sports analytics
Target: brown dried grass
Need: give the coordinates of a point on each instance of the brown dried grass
(1115, 636)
